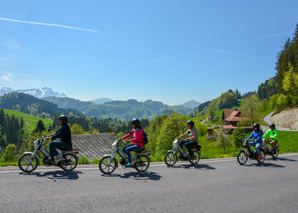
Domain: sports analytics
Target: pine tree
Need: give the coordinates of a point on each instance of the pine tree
(39, 127)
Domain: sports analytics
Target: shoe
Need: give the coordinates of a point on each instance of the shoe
(260, 156)
(191, 158)
(180, 156)
(128, 165)
(49, 161)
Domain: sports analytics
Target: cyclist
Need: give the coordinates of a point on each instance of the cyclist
(273, 137)
(257, 135)
(138, 140)
(64, 135)
(191, 142)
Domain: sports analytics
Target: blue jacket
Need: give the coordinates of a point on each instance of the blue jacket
(64, 134)
(257, 136)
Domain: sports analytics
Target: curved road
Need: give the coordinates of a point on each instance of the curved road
(212, 186)
(267, 120)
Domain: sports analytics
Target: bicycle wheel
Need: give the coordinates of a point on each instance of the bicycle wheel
(142, 164)
(262, 159)
(196, 159)
(26, 165)
(242, 157)
(170, 158)
(70, 162)
(107, 165)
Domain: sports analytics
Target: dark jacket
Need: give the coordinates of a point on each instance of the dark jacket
(64, 134)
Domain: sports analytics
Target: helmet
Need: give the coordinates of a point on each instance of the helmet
(191, 123)
(272, 125)
(256, 125)
(64, 119)
(136, 122)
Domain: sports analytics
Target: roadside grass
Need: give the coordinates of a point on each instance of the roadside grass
(288, 142)
(32, 120)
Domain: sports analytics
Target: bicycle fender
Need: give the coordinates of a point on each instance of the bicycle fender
(34, 155)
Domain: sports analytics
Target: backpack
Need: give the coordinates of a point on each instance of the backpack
(145, 139)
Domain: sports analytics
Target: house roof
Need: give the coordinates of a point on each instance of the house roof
(227, 112)
(94, 145)
(233, 116)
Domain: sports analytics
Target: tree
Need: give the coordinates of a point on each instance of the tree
(120, 135)
(211, 112)
(223, 140)
(9, 154)
(39, 127)
(109, 130)
(76, 129)
(251, 109)
(238, 136)
(290, 80)
(171, 128)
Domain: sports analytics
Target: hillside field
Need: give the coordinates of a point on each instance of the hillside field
(32, 120)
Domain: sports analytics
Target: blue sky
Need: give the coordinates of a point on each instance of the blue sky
(170, 51)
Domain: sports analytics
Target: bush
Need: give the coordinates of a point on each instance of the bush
(84, 160)
(238, 136)
(9, 154)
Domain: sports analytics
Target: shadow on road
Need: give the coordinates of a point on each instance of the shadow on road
(283, 159)
(189, 166)
(265, 164)
(137, 175)
(54, 175)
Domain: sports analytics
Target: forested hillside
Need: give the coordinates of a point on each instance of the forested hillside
(125, 110)
(33, 106)
(225, 100)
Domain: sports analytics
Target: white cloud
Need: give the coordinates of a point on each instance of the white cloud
(52, 25)
(7, 77)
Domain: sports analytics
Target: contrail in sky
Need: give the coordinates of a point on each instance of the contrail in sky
(266, 37)
(52, 25)
(220, 51)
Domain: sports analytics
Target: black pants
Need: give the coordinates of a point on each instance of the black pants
(189, 145)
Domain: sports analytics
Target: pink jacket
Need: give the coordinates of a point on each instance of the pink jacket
(138, 137)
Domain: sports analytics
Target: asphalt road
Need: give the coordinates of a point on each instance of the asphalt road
(211, 186)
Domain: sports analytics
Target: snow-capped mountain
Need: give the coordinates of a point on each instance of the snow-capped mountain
(38, 93)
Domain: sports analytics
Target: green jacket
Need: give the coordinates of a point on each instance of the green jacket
(273, 134)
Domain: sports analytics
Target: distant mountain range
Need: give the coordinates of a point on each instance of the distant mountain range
(38, 93)
(190, 104)
(118, 109)
(101, 100)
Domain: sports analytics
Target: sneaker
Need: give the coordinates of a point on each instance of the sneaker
(260, 156)
(128, 165)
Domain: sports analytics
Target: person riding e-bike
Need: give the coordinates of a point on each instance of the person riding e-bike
(138, 140)
(257, 135)
(191, 142)
(64, 135)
